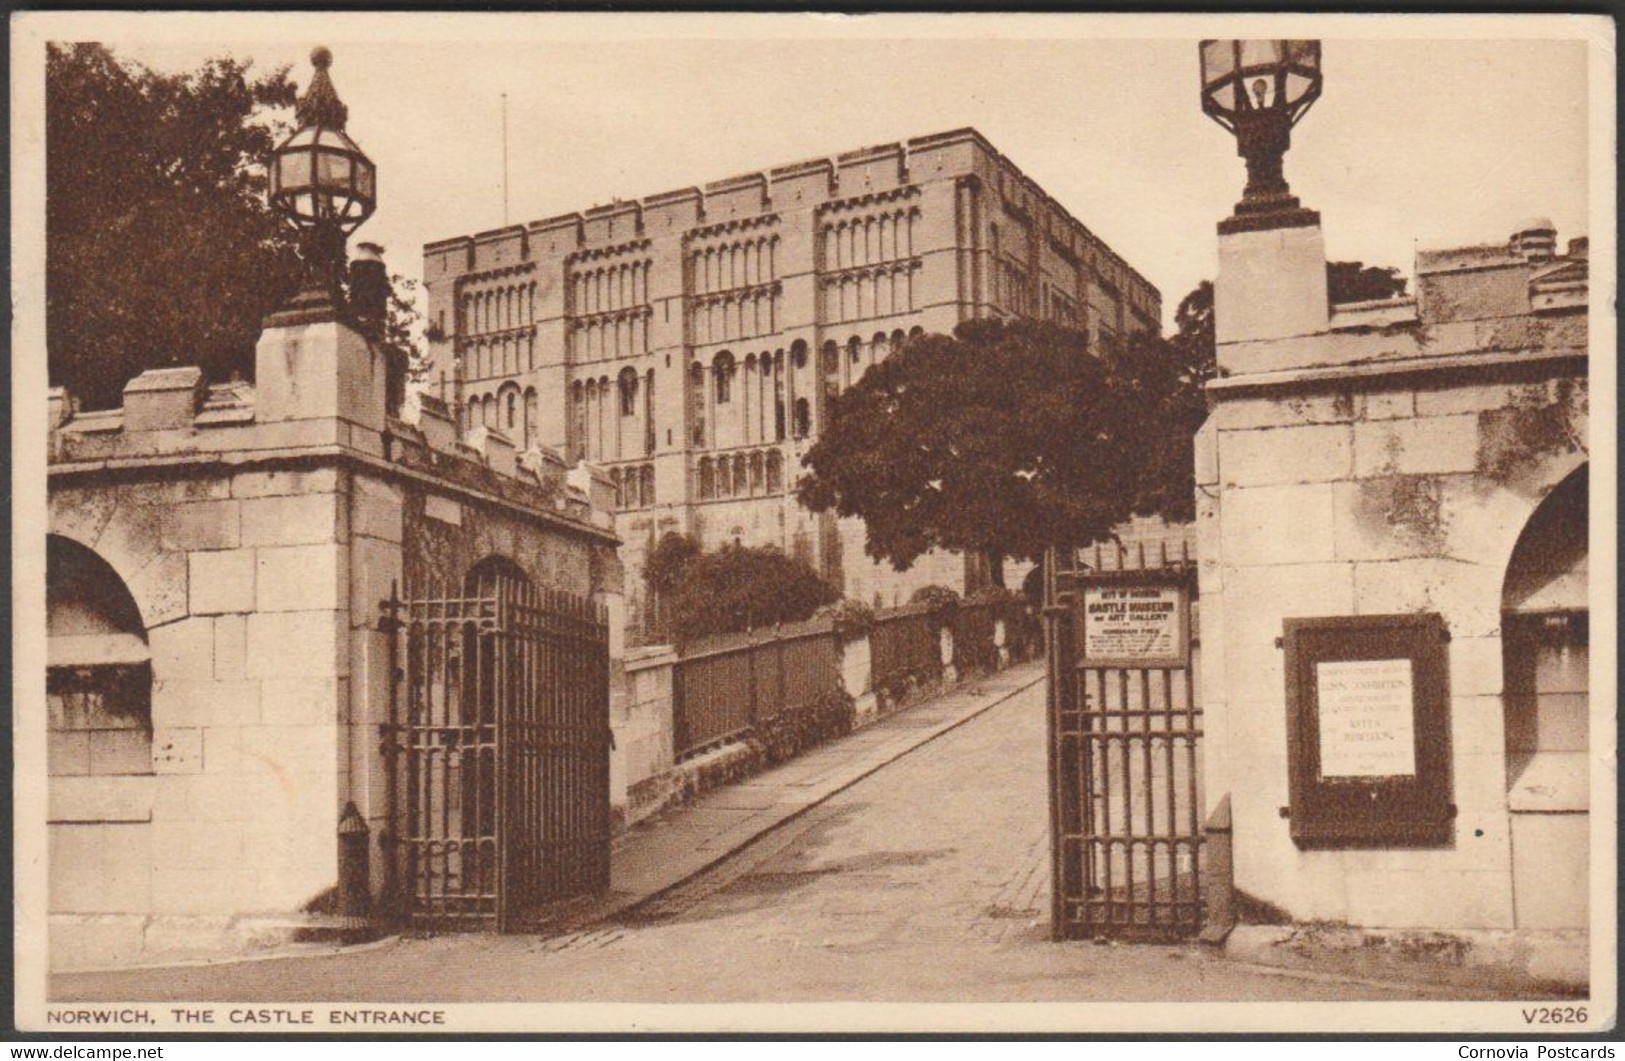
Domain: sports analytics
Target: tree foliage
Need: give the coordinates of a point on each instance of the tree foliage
(732, 589)
(1008, 437)
(1359, 282)
(160, 246)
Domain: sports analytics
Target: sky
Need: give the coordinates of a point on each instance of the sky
(1421, 142)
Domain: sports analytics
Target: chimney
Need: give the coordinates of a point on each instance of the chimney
(1578, 246)
(369, 305)
(369, 290)
(1535, 240)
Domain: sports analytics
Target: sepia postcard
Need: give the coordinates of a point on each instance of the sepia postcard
(813, 523)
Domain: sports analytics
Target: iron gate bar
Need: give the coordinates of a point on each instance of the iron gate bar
(497, 754)
(1117, 870)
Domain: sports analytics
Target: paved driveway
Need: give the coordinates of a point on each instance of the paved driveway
(927, 881)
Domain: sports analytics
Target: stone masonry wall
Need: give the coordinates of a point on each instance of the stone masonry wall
(1362, 498)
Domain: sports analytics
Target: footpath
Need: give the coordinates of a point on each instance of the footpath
(672, 847)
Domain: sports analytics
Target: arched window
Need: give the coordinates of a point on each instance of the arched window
(741, 475)
(756, 470)
(628, 384)
(798, 353)
(531, 412)
(649, 413)
(646, 485)
(854, 349)
(488, 410)
(615, 481)
(708, 482)
(512, 410)
(696, 400)
(723, 368)
(725, 477)
(779, 418)
(803, 418)
(897, 340)
(578, 417)
(775, 471)
(915, 332)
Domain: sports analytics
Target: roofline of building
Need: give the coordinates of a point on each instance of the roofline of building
(767, 176)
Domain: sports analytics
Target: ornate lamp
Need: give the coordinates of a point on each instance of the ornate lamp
(1258, 90)
(320, 179)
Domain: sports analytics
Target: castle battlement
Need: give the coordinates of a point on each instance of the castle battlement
(171, 420)
(815, 182)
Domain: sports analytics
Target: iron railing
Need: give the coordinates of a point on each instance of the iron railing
(904, 647)
(974, 645)
(725, 687)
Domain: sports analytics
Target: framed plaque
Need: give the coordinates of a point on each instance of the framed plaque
(1140, 623)
(1368, 731)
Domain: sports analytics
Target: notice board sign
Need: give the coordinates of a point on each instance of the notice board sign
(1136, 624)
(1367, 718)
(1368, 731)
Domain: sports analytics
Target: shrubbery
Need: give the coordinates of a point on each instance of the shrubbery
(732, 589)
(935, 597)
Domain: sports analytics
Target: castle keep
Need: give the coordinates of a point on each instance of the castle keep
(688, 342)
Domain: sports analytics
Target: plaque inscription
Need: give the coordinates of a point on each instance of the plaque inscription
(1367, 718)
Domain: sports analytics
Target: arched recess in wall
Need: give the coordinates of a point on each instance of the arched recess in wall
(775, 471)
(510, 412)
(649, 413)
(98, 691)
(708, 482)
(531, 412)
(722, 368)
(474, 681)
(1545, 652)
(626, 385)
(696, 401)
(578, 419)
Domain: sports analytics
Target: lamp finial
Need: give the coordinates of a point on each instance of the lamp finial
(320, 105)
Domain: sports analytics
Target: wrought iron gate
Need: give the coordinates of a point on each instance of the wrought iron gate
(1125, 769)
(497, 751)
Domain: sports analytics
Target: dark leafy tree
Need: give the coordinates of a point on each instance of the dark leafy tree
(663, 570)
(1359, 282)
(160, 247)
(1008, 437)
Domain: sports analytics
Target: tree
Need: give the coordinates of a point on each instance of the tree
(1006, 438)
(160, 246)
(1359, 282)
(733, 589)
(668, 560)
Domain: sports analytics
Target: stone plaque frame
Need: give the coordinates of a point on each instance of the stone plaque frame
(1382, 809)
